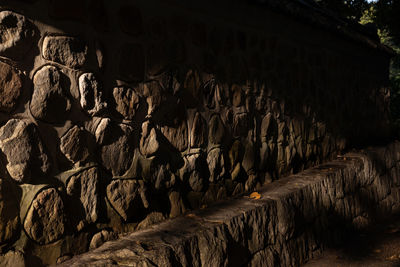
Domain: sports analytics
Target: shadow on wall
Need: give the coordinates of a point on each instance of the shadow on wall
(115, 116)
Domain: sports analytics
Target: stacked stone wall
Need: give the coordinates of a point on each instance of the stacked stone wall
(115, 115)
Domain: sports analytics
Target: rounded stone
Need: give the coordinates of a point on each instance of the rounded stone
(149, 142)
(66, 50)
(126, 198)
(91, 98)
(49, 102)
(45, 220)
(10, 87)
(117, 146)
(74, 144)
(16, 35)
(177, 135)
(126, 102)
(26, 157)
(84, 190)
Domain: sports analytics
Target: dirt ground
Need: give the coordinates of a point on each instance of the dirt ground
(377, 247)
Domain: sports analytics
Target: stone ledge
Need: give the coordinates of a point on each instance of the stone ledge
(293, 221)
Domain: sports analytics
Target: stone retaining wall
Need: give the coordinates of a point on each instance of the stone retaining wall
(115, 115)
(294, 219)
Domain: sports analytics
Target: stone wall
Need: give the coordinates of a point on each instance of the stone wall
(294, 219)
(117, 115)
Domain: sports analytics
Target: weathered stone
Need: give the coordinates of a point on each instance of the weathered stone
(45, 220)
(101, 237)
(83, 188)
(149, 142)
(194, 171)
(9, 213)
(177, 205)
(164, 178)
(127, 102)
(130, 20)
(16, 35)
(216, 132)
(153, 94)
(177, 135)
(248, 162)
(131, 62)
(267, 126)
(13, 258)
(10, 87)
(91, 94)
(74, 144)
(66, 50)
(128, 198)
(216, 164)
(49, 102)
(20, 143)
(117, 147)
(198, 133)
(152, 218)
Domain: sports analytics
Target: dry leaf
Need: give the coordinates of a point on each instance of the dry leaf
(255, 195)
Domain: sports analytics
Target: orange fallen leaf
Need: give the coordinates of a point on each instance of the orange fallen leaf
(255, 195)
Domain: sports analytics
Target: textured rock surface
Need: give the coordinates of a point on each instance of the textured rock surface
(126, 196)
(149, 143)
(116, 146)
(66, 50)
(45, 220)
(10, 87)
(274, 229)
(84, 189)
(91, 94)
(49, 100)
(127, 102)
(16, 35)
(13, 258)
(99, 238)
(26, 157)
(74, 144)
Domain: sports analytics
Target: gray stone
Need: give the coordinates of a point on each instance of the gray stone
(101, 237)
(128, 198)
(66, 50)
(49, 102)
(45, 220)
(91, 99)
(149, 142)
(177, 135)
(10, 87)
(9, 212)
(74, 144)
(117, 147)
(16, 35)
(216, 164)
(216, 131)
(127, 102)
(83, 188)
(25, 154)
(198, 133)
(13, 258)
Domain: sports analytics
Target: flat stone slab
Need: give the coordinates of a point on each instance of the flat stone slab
(293, 220)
